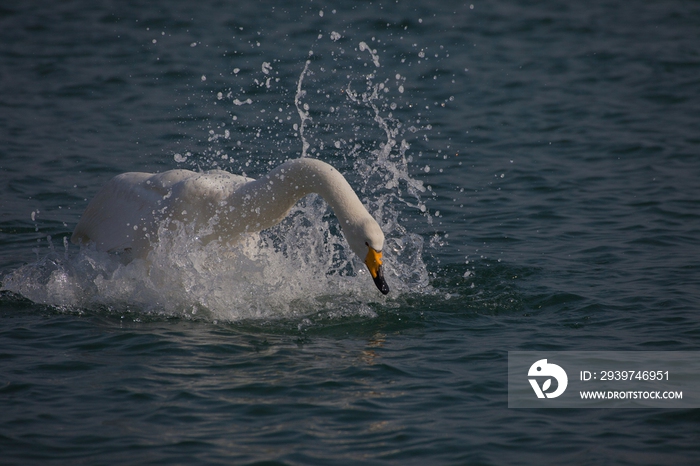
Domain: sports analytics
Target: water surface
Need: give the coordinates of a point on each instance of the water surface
(534, 167)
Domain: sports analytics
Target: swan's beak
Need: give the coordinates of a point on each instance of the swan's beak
(373, 261)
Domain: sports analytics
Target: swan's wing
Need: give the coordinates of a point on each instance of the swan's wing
(116, 217)
(125, 213)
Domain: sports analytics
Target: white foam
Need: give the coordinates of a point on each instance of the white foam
(294, 269)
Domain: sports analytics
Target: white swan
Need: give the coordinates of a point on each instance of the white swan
(126, 213)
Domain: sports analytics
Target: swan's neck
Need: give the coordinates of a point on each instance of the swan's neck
(263, 203)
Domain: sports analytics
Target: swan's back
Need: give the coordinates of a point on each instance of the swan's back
(126, 212)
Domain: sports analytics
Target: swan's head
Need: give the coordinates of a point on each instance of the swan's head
(366, 239)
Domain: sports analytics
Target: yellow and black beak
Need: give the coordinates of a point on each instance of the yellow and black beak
(373, 261)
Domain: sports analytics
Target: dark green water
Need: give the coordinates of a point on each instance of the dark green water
(541, 193)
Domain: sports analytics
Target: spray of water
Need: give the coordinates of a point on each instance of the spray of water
(300, 267)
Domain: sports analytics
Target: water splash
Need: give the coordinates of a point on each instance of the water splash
(302, 109)
(299, 267)
(296, 268)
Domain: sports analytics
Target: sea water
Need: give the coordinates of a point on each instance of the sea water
(534, 169)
